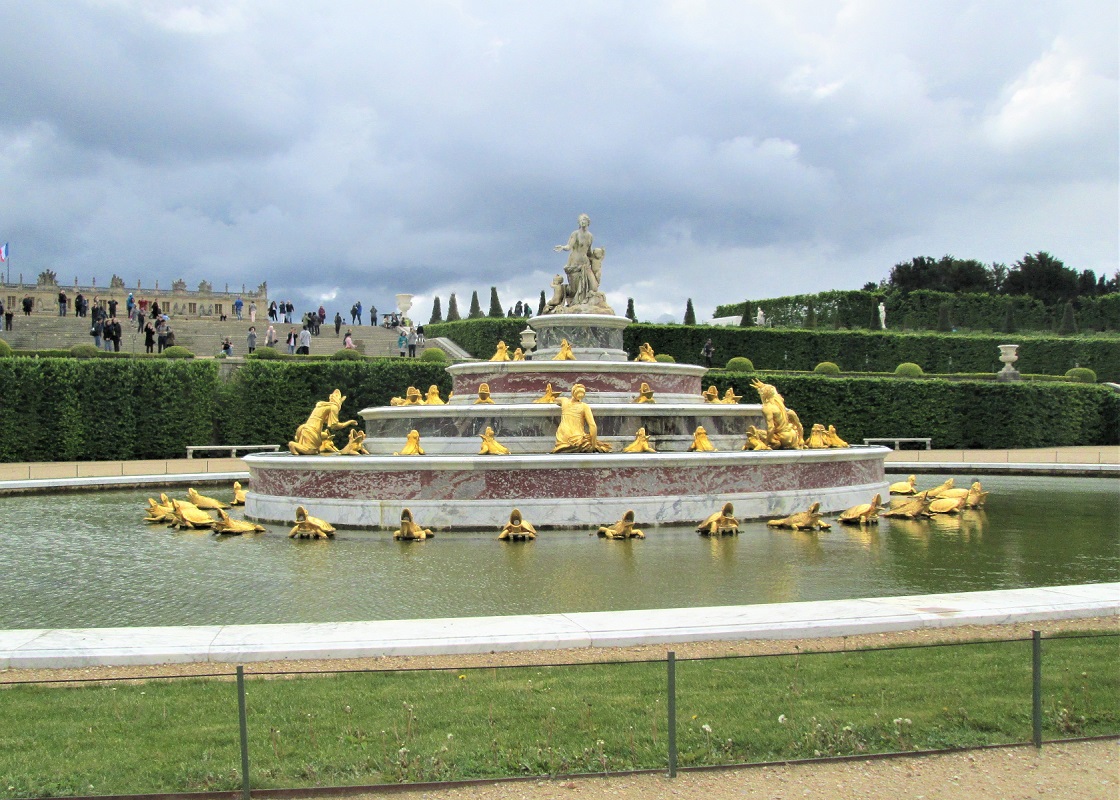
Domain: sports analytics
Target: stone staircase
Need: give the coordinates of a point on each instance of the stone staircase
(203, 337)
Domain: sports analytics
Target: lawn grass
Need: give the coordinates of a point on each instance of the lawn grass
(168, 735)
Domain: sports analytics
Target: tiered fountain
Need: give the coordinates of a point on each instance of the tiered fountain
(452, 486)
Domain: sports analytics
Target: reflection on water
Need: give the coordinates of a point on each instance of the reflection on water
(86, 560)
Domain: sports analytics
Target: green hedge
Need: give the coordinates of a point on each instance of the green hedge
(955, 415)
(479, 337)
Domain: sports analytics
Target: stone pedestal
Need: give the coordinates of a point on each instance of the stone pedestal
(593, 337)
(1008, 354)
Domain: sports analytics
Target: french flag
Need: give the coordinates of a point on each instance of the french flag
(4, 253)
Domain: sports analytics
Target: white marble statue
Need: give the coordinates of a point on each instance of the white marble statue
(584, 271)
(882, 316)
(760, 319)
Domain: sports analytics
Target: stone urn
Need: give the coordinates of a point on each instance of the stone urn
(1008, 354)
(404, 303)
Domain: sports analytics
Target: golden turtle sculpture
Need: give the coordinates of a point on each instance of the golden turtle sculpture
(939, 491)
(905, 487)
(309, 527)
(189, 516)
(946, 505)
(238, 495)
(802, 521)
(161, 511)
(976, 496)
(864, 513)
(409, 531)
(721, 523)
(623, 529)
(908, 507)
(228, 526)
(202, 501)
(518, 529)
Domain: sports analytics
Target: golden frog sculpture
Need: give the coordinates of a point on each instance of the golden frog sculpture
(518, 354)
(238, 495)
(189, 516)
(491, 446)
(565, 352)
(816, 440)
(645, 394)
(645, 353)
(623, 529)
(409, 531)
(356, 445)
(711, 394)
(721, 523)
(802, 521)
(432, 399)
(412, 397)
(202, 501)
(549, 396)
(832, 438)
(501, 354)
(864, 513)
(228, 526)
(483, 395)
(700, 442)
(756, 439)
(309, 527)
(640, 444)
(730, 398)
(412, 445)
(323, 420)
(518, 528)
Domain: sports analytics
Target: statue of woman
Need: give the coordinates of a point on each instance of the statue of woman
(577, 432)
(578, 269)
(320, 425)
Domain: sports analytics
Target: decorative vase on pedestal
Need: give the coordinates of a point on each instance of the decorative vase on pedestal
(1008, 354)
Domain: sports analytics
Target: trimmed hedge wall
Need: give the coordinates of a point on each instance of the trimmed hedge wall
(956, 415)
(479, 337)
(69, 409)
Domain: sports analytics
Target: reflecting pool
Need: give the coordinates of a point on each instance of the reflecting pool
(87, 560)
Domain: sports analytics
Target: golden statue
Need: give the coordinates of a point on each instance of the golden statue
(946, 505)
(518, 528)
(623, 529)
(433, 397)
(832, 438)
(309, 527)
(645, 353)
(976, 496)
(577, 431)
(645, 394)
(324, 418)
(412, 445)
(483, 394)
(721, 523)
(549, 396)
(238, 495)
(202, 501)
(908, 508)
(518, 354)
(409, 531)
(501, 354)
(802, 521)
(490, 446)
(904, 487)
(783, 430)
(711, 394)
(161, 511)
(816, 439)
(640, 444)
(700, 442)
(938, 491)
(228, 526)
(412, 397)
(730, 398)
(328, 448)
(756, 439)
(565, 353)
(863, 513)
(188, 515)
(356, 445)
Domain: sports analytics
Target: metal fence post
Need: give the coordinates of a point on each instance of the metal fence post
(244, 724)
(672, 714)
(1036, 687)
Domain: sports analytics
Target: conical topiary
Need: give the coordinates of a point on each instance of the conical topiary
(453, 309)
(495, 304)
(476, 309)
(437, 313)
(689, 314)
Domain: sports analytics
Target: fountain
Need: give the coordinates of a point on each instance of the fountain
(454, 486)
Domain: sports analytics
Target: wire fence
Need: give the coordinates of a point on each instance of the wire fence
(271, 731)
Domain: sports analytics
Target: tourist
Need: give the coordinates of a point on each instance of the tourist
(162, 329)
(304, 342)
(348, 342)
(373, 315)
(62, 303)
(227, 347)
(79, 305)
(113, 308)
(252, 338)
(238, 304)
(27, 304)
(270, 337)
(149, 338)
(252, 310)
(291, 341)
(140, 317)
(337, 323)
(358, 306)
(155, 310)
(95, 330)
(8, 314)
(707, 351)
(322, 315)
(272, 311)
(412, 339)
(420, 335)
(129, 305)
(402, 342)
(107, 335)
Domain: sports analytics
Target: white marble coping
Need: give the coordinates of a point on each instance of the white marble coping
(562, 320)
(124, 480)
(248, 643)
(561, 460)
(1002, 467)
(563, 367)
(690, 409)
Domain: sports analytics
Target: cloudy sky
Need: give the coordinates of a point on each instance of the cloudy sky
(724, 150)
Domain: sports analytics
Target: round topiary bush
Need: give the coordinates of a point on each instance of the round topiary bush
(665, 358)
(5, 349)
(827, 368)
(178, 351)
(433, 354)
(740, 364)
(347, 355)
(83, 351)
(908, 369)
(1082, 375)
(265, 354)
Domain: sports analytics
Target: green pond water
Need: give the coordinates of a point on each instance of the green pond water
(87, 560)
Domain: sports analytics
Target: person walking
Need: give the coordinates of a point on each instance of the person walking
(291, 341)
(252, 310)
(707, 351)
(272, 312)
(337, 323)
(251, 339)
(238, 305)
(270, 337)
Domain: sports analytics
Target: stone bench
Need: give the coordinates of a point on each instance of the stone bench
(232, 449)
(898, 440)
